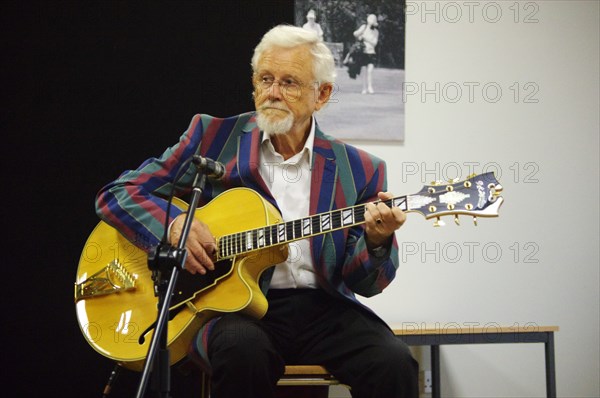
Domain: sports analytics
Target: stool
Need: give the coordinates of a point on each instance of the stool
(298, 381)
(308, 381)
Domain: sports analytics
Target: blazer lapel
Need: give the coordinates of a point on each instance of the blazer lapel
(324, 181)
(248, 154)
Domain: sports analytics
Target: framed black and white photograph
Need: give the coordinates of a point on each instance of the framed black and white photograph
(367, 40)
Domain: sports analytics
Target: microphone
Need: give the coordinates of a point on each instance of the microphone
(211, 168)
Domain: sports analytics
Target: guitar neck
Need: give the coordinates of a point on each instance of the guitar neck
(290, 231)
(479, 195)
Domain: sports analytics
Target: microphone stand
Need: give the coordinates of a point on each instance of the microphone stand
(167, 260)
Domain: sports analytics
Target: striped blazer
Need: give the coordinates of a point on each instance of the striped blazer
(342, 176)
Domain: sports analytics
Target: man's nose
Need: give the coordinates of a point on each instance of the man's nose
(275, 91)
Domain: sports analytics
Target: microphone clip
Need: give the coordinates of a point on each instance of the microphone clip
(210, 168)
(165, 257)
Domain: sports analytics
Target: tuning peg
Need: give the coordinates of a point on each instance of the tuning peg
(475, 220)
(438, 222)
(456, 220)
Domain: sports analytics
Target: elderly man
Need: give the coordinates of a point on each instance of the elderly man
(279, 151)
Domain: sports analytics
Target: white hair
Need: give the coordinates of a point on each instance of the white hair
(288, 36)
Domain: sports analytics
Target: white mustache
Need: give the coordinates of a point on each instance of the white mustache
(273, 105)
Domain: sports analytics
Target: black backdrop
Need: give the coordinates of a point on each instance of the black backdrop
(90, 89)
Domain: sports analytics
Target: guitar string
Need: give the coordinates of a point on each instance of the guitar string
(233, 244)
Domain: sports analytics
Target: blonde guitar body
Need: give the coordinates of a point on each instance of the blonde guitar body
(114, 291)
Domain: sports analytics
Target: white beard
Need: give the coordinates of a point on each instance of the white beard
(278, 126)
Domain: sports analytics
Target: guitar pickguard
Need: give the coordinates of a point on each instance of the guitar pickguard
(189, 285)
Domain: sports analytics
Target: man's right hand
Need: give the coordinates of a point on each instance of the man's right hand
(201, 246)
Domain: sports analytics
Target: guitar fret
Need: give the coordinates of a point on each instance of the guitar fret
(401, 202)
(347, 217)
(260, 237)
(254, 240)
(359, 214)
(281, 237)
(267, 233)
(239, 247)
(325, 222)
(297, 229)
(289, 230)
(315, 225)
(336, 222)
(248, 239)
(306, 226)
(227, 247)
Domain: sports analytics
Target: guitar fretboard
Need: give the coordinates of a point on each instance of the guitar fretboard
(289, 231)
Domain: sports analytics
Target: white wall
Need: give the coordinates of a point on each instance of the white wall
(538, 262)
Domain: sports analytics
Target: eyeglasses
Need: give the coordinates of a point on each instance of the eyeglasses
(288, 86)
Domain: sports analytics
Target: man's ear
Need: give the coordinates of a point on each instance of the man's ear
(323, 95)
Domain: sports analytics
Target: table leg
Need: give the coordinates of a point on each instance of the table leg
(435, 371)
(550, 367)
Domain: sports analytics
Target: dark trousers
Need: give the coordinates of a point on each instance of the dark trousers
(308, 326)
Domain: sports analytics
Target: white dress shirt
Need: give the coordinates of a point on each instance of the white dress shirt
(289, 182)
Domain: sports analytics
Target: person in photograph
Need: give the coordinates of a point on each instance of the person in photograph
(368, 34)
(312, 25)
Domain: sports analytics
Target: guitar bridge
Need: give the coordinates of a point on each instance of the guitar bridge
(113, 278)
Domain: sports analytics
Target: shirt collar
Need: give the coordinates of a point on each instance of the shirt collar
(308, 145)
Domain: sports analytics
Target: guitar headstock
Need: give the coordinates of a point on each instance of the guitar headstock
(477, 196)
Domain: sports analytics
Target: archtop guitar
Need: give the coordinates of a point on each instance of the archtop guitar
(114, 290)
